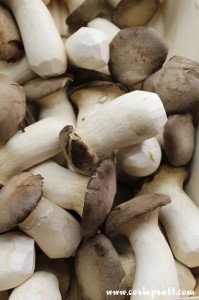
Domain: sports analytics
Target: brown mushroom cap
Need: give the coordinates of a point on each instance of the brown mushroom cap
(99, 198)
(11, 47)
(135, 53)
(127, 211)
(97, 262)
(18, 198)
(12, 107)
(131, 13)
(177, 84)
(40, 87)
(87, 11)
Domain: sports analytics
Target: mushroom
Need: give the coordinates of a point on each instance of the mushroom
(182, 232)
(104, 25)
(135, 53)
(18, 198)
(91, 197)
(141, 159)
(88, 48)
(17, 259)
(12, 107)
(91, 96)
(141, 117)
(132, 13)
(54, 229)
(45, 50)
(176, 83)
(11, 48)
(41, 285)
(74, 291)
(51, 96)
(187, 281)
(97, 261)
(138, 220)
(178, 129)
(82, 11)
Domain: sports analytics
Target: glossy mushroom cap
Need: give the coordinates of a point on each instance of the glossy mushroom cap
(99, 198)
(135, 53)
(127, 212)
(18, 198)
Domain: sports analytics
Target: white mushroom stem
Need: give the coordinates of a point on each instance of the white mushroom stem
(41, 285)
(17, 259)
(43, 45)
(88, 48)
(19, 71)
(187, 281)
(180, 218)
(62, 186)
(191, 187)
(141, 159)
(39, 142)
(104, 25)
(152, 253)
(55, 230)
(73, 4)
(140, 115)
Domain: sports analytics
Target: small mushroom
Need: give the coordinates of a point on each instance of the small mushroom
(135, 53)
(104, 25)
(54, 229)
(18, 198)
(176, 83)
(138, 220)
(132, 13)
(182, 231)
(11, 48)
(12, 107)
(141, 159)
(17, 259)
(45, 49)
(97, 261)
(179, 139)
(82, 11)
(88, 48)
(141, 116)
(41, 285)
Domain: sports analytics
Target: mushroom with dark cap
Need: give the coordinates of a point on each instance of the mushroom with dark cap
(176, 83)
(132, 13)
(97, 261)
(138, 220)
(12, 107)
(18, 198)
(82, 11)
(135, 53)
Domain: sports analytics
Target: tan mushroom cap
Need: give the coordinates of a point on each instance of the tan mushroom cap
(136, 207)
(131, 13)
(11, 47)
(18, 198)
(177, 84)
(97, 262)
(85, 12)
(99, 198)
(135, 53)
(40, 87)
(12, 107)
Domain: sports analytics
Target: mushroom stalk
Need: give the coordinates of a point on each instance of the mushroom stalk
(104, 25)
(42, 42)
(55, 230)
(59, 12)
(41, 285)
(39, 142)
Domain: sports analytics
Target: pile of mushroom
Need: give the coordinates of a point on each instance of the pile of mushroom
(99, 141)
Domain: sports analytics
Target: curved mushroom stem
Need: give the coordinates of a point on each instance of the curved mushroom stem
(39, 142)
(151, 252)
(45, 50)
(182, 231)
(17, 259)
(55, 231)
(41, 285)
(104, 25)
